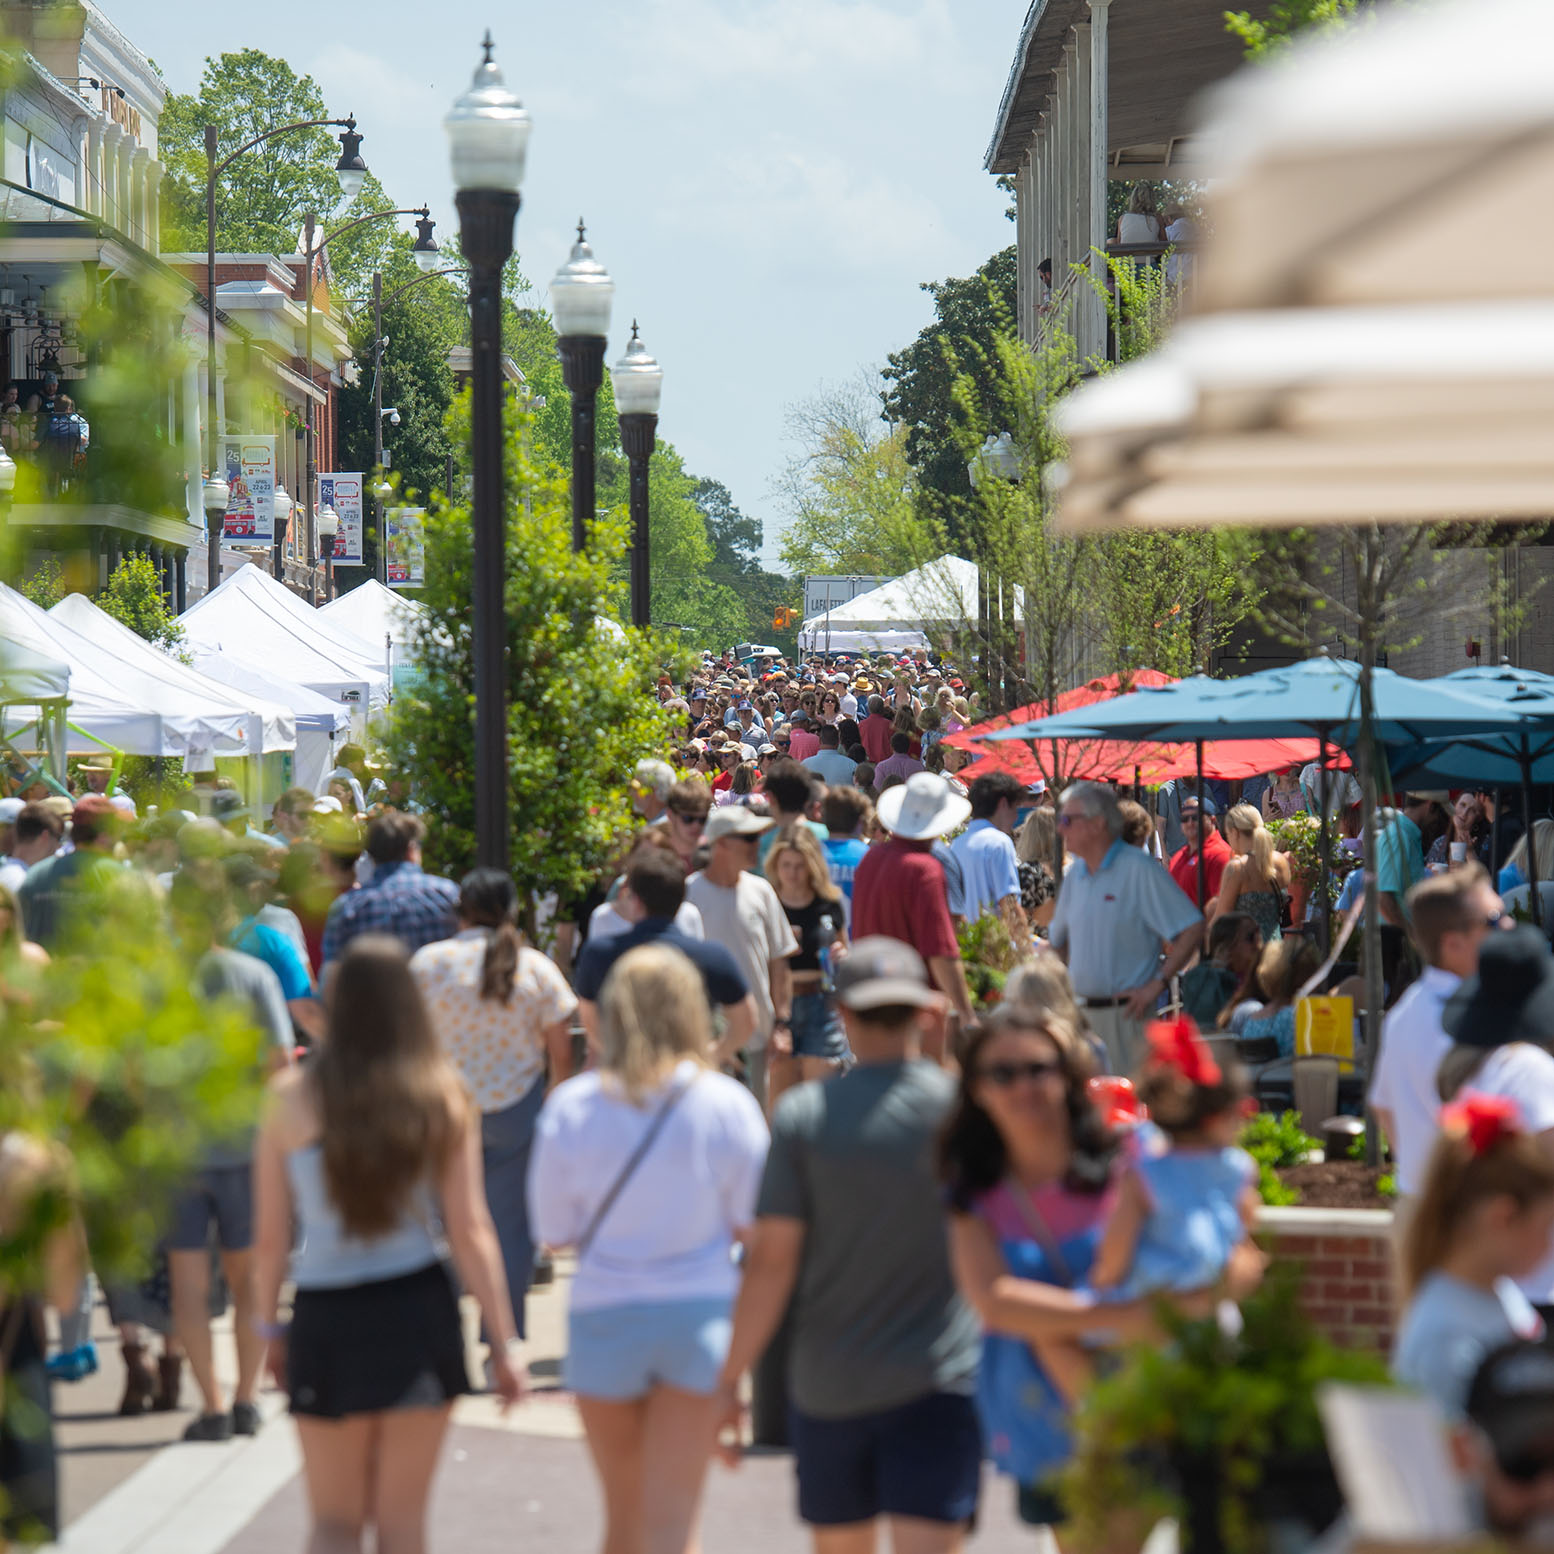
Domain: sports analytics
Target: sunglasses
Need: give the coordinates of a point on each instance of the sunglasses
(783, 744)
(688, 820)
(1003, 1076)
(1527, 1468)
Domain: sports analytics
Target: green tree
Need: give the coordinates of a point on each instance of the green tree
(680, 554)
(46, 584)
(851, 491)
(580, 708)
(264, 196)
(736, 561)
(1267, 37)
(922, 379)
(134, 598)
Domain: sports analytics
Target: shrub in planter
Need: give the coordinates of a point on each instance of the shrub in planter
(1217, 1429)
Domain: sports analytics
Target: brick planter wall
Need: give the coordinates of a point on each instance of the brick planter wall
(1346, 1287)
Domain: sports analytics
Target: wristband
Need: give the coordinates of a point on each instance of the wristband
(269, 1331)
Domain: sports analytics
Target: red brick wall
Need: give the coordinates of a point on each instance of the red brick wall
(1347, 1270)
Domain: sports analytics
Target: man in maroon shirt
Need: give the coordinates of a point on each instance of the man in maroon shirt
(1200, 831)
(875, 730)
(898, 887)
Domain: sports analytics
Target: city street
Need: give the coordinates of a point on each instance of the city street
(131, 1487)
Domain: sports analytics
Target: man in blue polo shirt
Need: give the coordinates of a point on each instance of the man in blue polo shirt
(985, 852)
(1122, 925)
(652, 894)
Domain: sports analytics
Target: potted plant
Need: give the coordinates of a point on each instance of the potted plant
(1299, 838)
(1217, 1428)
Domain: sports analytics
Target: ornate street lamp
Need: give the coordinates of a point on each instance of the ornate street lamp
(283, 510)
(425, 246)
(639, 385)
(580, 305)
(328, 528)
(351, 171)
(488, 134)
(215, 495)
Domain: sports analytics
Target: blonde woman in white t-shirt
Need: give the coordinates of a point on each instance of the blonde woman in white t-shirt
(649, 1166)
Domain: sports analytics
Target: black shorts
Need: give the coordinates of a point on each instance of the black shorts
(369, 1348)
(921, 1459)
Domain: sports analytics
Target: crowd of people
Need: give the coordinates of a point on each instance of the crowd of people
(744, 1082)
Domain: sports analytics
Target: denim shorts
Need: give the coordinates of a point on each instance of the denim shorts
(618, 1353)
(817, 1028)
(219, 1195)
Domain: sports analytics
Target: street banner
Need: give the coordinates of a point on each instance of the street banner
(406, 546)
(250, 467)
(344, 494)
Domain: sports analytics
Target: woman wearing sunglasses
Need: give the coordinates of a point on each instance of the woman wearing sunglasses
(1032, 1171)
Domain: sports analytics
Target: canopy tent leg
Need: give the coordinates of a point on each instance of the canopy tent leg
(1375, 992)
(1532, 838)
(1203, 833)
(1324, 881)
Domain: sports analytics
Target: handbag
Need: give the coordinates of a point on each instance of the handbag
(627, 1171)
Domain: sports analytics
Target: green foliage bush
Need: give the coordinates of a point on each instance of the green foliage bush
(1275, 1141)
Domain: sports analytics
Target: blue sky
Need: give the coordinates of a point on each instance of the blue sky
(767, 180)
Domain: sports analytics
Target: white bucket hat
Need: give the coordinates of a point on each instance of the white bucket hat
(922, 807)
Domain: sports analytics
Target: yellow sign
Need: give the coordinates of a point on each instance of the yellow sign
(1325, 1027)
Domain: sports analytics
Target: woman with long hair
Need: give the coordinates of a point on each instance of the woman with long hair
(1514, 874)
(372, 1151)
(1283, 968)
(830, 708)
(1031, 1172)
(502, 1013)
(813, 904)
(1256, 881)
(649, 1166)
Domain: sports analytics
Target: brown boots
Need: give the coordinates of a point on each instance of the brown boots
(147, 1387)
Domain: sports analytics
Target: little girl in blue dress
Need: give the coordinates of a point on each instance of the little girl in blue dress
(1188, 1196)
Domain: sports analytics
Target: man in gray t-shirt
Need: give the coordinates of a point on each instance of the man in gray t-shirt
(850, 1224)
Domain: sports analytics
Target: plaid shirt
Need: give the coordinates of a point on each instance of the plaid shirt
(399, 900)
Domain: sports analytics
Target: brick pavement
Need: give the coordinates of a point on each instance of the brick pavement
(129, 1486)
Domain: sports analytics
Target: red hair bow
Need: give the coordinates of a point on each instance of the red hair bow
(1483, 1120)
(1176, 1044)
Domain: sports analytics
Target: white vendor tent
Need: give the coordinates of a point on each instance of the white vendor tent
(136, 709)
(262, 623)
(897, 616)
(320, 721)
(34, 690)
(271, 726)
(373, 612)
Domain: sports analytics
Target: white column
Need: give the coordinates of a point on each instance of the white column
(126, 189)
(1028, 240)
(193, 458)
(91, 188)
(154, 206)
(1022, 255)
(1073, 239)
(1100, 133)
(113, 138)
(138, 196)
(1087, 319)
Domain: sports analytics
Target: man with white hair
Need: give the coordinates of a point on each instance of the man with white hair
(650, 785)
(1121, 925)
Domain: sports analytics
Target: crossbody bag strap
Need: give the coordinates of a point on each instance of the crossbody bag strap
(627, 1171)
(1026, 1205)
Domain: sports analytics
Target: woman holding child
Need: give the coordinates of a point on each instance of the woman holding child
(1034, 1181)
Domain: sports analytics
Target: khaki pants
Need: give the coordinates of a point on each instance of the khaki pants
(1121, 1035)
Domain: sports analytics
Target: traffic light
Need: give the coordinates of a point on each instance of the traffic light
(784, 617)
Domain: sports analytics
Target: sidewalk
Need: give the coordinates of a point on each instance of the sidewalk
(130, 1486)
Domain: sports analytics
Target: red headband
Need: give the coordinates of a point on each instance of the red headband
(1483, 1120)
(1176, 1044)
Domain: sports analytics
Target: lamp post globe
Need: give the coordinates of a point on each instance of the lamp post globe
(283, 511)
(639, 385)
(350, 169)
(580, 296)
(327, 522)
(1002, 457)
(488, 136)
(7, 475)
(425, 246)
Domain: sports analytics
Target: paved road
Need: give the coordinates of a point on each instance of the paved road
(130, 1487)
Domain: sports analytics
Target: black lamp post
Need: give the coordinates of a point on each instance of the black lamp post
(639, 383)
(488, 133)
(328, 528)
(580, 304)
(351, 172)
